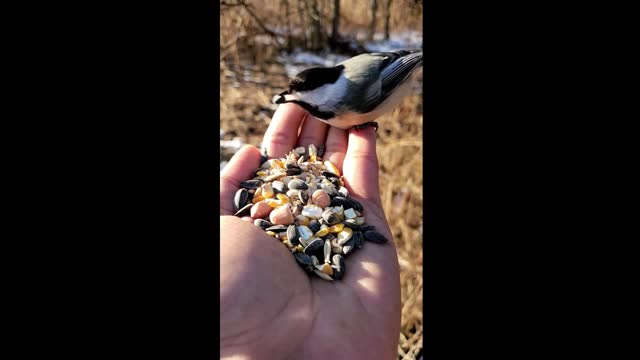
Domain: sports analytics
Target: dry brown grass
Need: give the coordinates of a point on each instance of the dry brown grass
(246, 110)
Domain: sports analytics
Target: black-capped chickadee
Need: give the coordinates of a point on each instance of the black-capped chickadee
(356, 91)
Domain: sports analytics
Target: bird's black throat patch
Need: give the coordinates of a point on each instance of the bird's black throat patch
(315, 77)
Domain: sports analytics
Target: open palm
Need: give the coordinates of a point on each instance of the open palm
(269, 307)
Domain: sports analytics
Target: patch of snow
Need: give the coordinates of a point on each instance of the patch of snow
(397, 41)
(300, 60)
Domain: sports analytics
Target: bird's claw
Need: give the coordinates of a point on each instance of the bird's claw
(366, 125)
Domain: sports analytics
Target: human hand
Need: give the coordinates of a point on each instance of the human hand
(269, 307)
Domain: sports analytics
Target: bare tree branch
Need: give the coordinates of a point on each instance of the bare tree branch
(248, 8)
(372, 24)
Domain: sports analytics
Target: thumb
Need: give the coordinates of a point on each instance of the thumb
(240, 168)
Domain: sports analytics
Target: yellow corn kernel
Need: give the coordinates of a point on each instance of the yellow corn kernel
(283, 198)
(326, 268)
(257, 199)
(322, 232)
(267, 191)
(273, 202)
(336, 228)
(331, 167)
(262, 173)
(299, 248)
(271, 233)
(312, 159)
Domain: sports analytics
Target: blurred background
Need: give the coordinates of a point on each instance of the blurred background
(263, 44)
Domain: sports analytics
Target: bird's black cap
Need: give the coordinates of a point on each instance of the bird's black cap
(315, 77)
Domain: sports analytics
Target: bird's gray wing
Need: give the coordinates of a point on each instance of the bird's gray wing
(395, 69)
(398, 69)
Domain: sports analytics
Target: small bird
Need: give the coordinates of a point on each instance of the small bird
(355, 92)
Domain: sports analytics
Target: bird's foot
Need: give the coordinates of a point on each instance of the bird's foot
(366, 125)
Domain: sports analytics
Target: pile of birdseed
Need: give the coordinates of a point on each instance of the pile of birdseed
(301, 201)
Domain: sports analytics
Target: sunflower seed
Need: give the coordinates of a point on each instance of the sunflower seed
(338, 266)
(303, 196)
(358, 239)
(240, 199)
(314, 225)
(244, 211)
(330, 217)
(365, 227)
(251, 184)
(330, 190)
(278, 187)
(321, 150)
(297, 184)
(277, 228)
(262, 224)
(346, 203)
(314, 246)
(349, 247)
(292, 235)
(336, 182)
(375, 237)
(293, 171)
(329, 174)
(303, 258)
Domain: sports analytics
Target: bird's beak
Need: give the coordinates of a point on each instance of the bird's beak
(280, 98)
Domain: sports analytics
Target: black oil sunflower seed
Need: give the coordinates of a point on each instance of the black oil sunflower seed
(251, 184)
(262, 224)
(240, 199)
(314, 225)
(329, 175)
(347, 203)
(338, 266)
(375, 237)
(244, 211)
(292, 235)
(298, 184)
(314, 246)
(277, 228)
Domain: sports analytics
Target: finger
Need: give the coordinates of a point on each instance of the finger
(360, 167)
(336, 145)
(240, 168)
(313, 132)
(282, 134)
